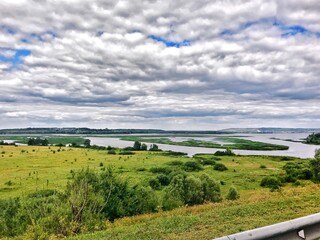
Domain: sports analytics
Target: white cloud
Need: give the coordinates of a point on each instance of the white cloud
(93, 63)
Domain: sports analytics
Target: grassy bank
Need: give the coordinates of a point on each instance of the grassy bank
(31, 168)
(259, 208)
(53, 140)
(235, 143)
(26, 169)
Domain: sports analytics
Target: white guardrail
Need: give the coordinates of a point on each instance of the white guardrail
(300, 228)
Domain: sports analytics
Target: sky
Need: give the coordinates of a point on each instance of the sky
(184, 65)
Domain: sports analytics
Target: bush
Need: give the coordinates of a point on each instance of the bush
(173, 153)
(220, 167)
(111, 151)
(141, 169)
(194, 193)
(211, 189)
(191, 190)
(208, 162)
(233, 194)
(125, 152)
(227, 152)
(163, 179)
(271, 182)
(164, 170)
(175, 163)
(154, 183)
(297, 170)
(141, 200)
(192, 166)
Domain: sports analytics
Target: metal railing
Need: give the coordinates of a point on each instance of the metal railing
(307, 227)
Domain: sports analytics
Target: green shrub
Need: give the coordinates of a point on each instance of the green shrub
(194, 193)
(173, 153)
(111, 151)
(211, 189)
(220, 167)
(164, 170)
(164, 179)
(141, 200)
(141, 169)
(271, 182)
(154, 183)
(233, 194)
(207, 162)
(192, 166)
(175, 163)
(227, 152)
(125, 152)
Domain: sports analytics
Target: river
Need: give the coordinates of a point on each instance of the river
(296, 149)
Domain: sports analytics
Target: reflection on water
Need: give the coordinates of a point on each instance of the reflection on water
(296, 149)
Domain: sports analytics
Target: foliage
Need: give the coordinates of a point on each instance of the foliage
(271, 182)
(144, 147)
(191, 166)
(164, 180)
(38, 142)
(137, 145)
(175, 163)
(165, 170)
(191, 190)
(297, 170)
(313, 138)
(154, 183)
(174, 153)
(233, 194)
(206, 161)
(227, 152)
(220, 167)
(154, 147)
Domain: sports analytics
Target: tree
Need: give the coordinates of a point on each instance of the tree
(87, 143)
(137, 146)
(153, 147)
(193, 191)
(233, 194)
(211, 189)
(315, 166)
(144, 147)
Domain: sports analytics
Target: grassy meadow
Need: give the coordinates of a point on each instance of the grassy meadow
(26, 169)
(231, 143)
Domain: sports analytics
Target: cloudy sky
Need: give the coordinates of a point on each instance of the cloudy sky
(187, 64)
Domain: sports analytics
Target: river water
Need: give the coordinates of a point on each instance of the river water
(296, 149)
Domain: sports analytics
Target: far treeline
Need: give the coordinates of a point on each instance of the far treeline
(97, 131)
(313, 138)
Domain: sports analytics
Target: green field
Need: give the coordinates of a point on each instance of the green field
(231, 143)
(26, 169)
(53, 140)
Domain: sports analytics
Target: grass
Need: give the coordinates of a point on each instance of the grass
(237, 143)
(257, 209)
(30, 168)
(54, 140)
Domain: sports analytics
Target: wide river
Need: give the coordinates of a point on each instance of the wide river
(296, 149)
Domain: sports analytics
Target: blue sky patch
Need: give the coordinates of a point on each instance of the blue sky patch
(16, 58)
(287, 30)
(38, 37)
(169, 43)
(8, 30)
